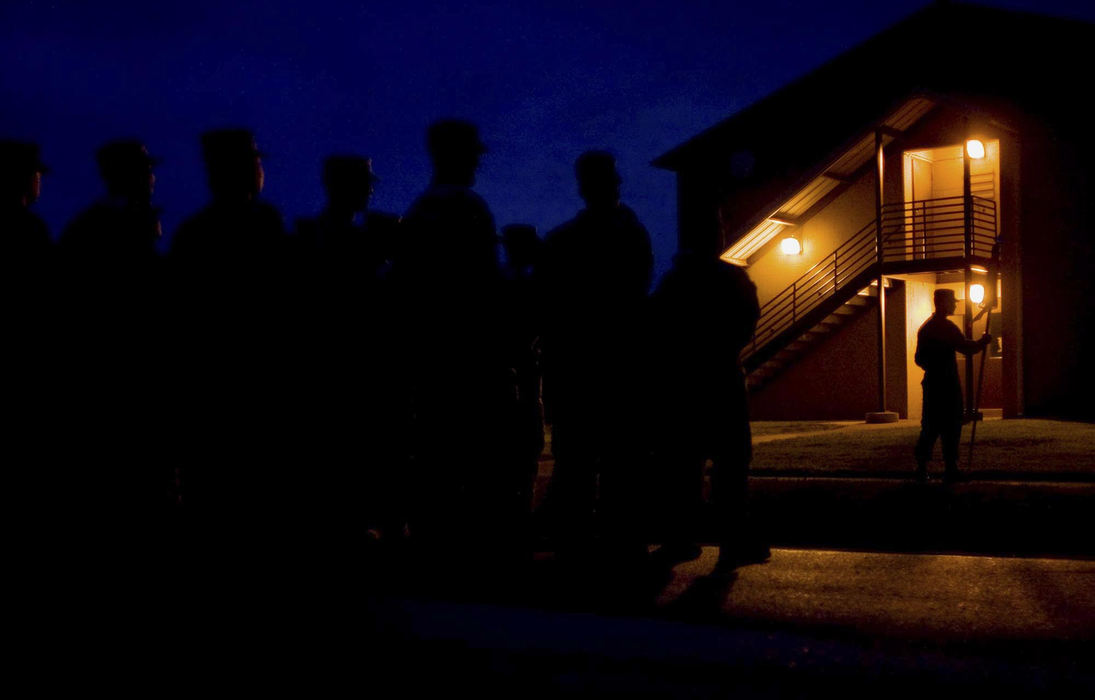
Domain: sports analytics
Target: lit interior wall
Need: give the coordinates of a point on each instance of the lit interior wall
(938, 172)
(918, 307)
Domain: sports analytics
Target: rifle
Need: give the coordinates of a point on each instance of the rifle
(986, 310)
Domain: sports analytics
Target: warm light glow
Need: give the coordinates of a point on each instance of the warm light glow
(977, 293)
(790, 246)
(975, 149)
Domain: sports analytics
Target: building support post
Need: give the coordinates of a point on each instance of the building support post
(881, 415)
(967, 250)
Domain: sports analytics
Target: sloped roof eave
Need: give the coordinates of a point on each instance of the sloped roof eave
(817, 183)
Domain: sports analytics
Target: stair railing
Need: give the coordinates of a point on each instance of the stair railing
(921, 229)
(820, 282)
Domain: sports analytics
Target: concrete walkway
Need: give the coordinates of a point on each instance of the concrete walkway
(957, 598)
(806, 622)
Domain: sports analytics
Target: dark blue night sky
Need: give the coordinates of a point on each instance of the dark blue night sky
(544, 80)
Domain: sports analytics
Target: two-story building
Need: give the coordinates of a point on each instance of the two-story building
(952, 150)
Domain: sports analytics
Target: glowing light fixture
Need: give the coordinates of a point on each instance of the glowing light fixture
(977, 293)
(975, 149)
(790, 245)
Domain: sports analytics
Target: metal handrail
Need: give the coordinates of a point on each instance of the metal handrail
(937, 226)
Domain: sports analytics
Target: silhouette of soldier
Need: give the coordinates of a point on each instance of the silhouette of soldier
(114, 306)
(357, 432)
(229, 263)
(347, 232)
(937, 341)
(26, 252)
(122, 228)
(30, 494)
(24, 237)
(594, 277)
(461, 385)
(522, 248)
(705, 311)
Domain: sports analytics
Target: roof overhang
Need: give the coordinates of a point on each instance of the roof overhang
(836, 172)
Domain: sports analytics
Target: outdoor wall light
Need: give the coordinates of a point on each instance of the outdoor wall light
(977, 293)
(975, 149)
(790, 245)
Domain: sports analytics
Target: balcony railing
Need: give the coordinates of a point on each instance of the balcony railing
(936, 228)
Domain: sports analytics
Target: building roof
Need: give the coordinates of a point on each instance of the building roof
(946, 48)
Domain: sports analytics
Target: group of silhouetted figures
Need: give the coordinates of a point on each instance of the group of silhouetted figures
(368, 380)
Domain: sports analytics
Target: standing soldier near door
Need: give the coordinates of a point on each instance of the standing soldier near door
(937, 341)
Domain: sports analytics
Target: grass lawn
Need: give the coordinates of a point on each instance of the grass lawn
(784, 427)
(1011, 449)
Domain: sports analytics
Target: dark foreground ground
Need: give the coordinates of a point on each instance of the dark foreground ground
(877, 585)
(808, 622)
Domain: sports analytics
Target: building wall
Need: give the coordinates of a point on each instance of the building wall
(1057, 248)
(838, 379)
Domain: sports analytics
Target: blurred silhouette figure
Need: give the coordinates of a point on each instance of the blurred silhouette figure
(346, 232)
(356, 433)
(937, 341)
(593, 278)
(232, 352)
(113, 344)
(462, 387)
(522, 248)
(122, 228)
(32, 481)
(24, 237)
(705, 311)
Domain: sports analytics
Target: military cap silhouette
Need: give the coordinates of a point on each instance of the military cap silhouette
(454, 137)
(597, 166)
(229, 144)
(118, 159)
(944, 295)
(338, 168)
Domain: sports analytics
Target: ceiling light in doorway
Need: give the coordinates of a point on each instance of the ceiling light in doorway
(975, 149)
(977, 293)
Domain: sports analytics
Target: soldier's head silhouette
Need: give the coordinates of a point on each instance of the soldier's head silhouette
(21, 170)
(233, 164)
(945, 301)
(521, 244)
(126, 168)
(598, 179)
(455, 150)
(349, 182)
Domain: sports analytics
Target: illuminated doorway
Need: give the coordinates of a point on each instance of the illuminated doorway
(934, 207)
